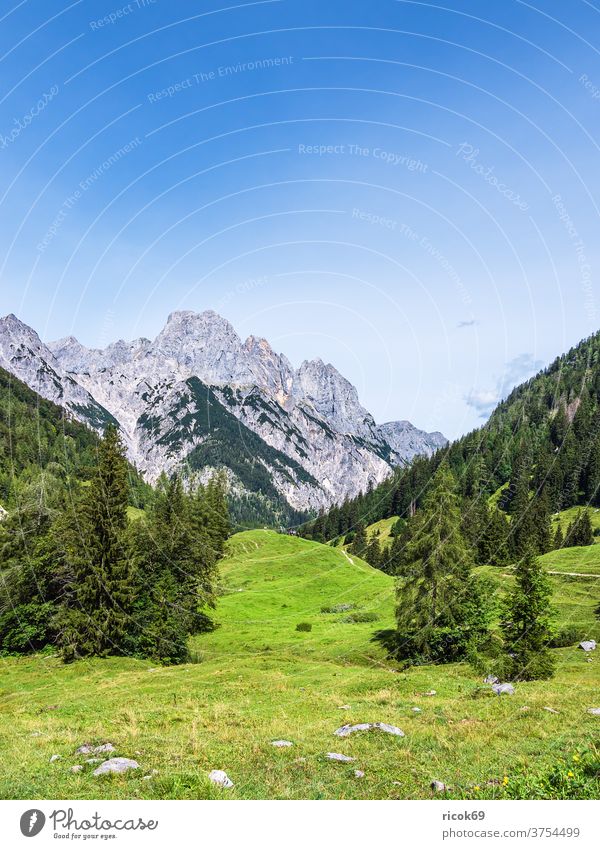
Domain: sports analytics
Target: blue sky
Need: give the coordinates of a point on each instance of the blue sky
(407, 190)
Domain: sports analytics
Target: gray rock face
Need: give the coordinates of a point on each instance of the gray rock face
(116, 765)
(220, 778)
(330, 447)
(335, 756)
(407, 441)
(347, 730)
(503, 689)
(23, 354)
(588, 645)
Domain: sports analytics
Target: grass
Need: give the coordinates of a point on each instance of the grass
(565, 517)
(257, 679)
(382, 528)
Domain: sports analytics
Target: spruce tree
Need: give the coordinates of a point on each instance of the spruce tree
(558, 537)
(441, 608)
(526, 623)
(360, 542)
(95, 618)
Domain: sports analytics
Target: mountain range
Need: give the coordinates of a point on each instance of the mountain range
(197, 398)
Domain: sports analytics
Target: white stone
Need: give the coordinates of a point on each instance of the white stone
(116, 765)
(347, 730)
(219, 777)
(335, 756)
(281, 744)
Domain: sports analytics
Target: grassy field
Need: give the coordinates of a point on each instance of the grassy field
(257, 679)
(565, 517)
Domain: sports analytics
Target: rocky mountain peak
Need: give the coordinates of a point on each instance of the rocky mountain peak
(333, 397)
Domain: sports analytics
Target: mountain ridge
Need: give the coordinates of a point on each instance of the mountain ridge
(311, 415)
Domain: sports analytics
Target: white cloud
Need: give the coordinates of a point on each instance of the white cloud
(516, 371)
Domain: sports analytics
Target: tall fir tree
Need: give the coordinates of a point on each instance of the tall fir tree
(96, 617)
(526, 623)
(441, 610)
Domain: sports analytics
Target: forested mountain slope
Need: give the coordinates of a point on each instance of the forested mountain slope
(542, 443)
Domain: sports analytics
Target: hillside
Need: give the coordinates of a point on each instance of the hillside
(257, 679)
(35, 435)
(38, 438)
(545, 437)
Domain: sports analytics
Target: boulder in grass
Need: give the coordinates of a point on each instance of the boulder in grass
(358, 773)
(54, 758)
(220, 778)
(503, 689)
(594, 711)
(76, 768)
(347, 730)
(588, 645)
(282, 744)
(116, 765)
(438, 787)
(491, 679)
(343, 759)
(431, 693)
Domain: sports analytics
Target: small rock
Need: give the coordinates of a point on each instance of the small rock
(93, 760)
(300, 761)
(219, 777)
(36, 734)
(416, 710)
(76, 768)
(430, 693)
(150, 775)
(86, 749)
(490, 679)
(358, 773)
(588, 645)
(52, 707)
(345, 707)
(116, 765)
(281, 744)
(438, 787)
(54, 758)
(503, 689)
(335, 756)
(551, 710)
(346, 730)
(397, 783)
(105, 747)
(594, 711)
(525, 708)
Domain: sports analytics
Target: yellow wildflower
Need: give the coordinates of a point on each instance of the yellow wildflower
(570, 774)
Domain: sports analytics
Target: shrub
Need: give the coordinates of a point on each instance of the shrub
(361, 616)
(567, 636)
(304, 626)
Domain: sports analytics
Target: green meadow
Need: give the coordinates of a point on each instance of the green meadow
(257, 679)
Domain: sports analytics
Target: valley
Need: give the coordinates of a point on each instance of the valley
(257, 679)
